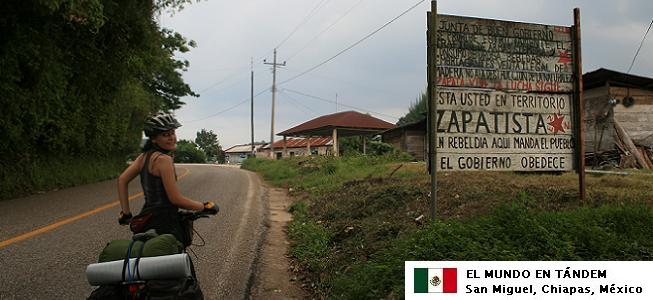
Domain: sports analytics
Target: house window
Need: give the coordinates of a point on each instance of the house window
(292, 153)
(279, 155)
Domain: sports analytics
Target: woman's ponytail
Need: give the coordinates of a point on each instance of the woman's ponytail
(148, 145)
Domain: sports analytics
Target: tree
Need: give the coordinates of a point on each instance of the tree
(221, 158)
(350, 145)
(208, 142)
(416, 111)
(187, 152)
(77, 79)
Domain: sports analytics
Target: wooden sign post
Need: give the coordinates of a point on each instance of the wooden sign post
(504, 96)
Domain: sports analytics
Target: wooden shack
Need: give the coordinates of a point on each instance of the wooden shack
(410, 138)
(617, 100)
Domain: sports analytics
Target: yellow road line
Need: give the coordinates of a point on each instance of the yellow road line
(55, 225)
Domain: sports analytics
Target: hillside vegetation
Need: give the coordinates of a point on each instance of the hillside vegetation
(357, 219)
(76, 82)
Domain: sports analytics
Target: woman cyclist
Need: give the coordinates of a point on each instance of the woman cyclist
(158, 180)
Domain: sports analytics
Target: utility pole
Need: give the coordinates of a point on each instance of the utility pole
(252, 102)
(274, 90)
(432, 75)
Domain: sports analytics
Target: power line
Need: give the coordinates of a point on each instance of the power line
(223, 80)
(356, 84)
(218, 69)
(299, 104)
(228, 109)
(235, 83)
(339, 103)
(220, 112)
(354, 44)
(230, 76)
(308, 17)
(298, 108)
(326, 29)
(640, 47)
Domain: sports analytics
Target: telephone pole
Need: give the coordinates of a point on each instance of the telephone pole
(274, 90)
(251, 90)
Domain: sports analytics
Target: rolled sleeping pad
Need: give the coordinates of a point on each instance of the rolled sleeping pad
(157, 267)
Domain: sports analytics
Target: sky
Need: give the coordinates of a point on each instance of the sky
(383, 75)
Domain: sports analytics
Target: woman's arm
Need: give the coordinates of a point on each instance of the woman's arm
(123, 181)
(165, 167)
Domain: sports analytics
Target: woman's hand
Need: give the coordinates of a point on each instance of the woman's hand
(211, 208)
(124, 218)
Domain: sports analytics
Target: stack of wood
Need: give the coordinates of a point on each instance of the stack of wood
(648, 155)
(610, 158)
(632, 156)
(625, 155)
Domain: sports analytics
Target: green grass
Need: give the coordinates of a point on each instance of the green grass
(319, 174)
(508, 233)
(50, 173)
(354, 224)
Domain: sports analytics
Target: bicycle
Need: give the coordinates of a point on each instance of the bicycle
(159, 277)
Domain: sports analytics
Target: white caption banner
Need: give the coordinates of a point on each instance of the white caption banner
(529, 280)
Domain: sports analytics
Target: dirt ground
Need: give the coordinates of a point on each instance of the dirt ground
(274, 279)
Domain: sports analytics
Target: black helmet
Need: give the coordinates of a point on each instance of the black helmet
(161, 122)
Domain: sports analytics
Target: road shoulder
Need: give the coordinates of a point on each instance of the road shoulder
(273, 275)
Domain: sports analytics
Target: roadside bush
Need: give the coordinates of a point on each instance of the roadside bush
(187, 152)
(56, 172)
(321, 173)
(355, 224)
(311, 241)
(275, 171)
(511, 232)
(311, 244)
(380, 148)
(77, 79)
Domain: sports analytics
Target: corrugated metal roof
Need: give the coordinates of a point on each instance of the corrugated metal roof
(347, 119)
(301, 143)
(421, 125)
(599, 77)
(242, 148)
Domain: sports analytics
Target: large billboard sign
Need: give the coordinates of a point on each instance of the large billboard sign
(502, 94)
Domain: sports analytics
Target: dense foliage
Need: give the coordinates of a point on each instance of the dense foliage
(77, 79)
(354, 146)
(189, 152)
(416, 111)
(208, 142)
(511, 232)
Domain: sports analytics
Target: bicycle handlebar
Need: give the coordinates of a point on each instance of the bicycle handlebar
(194, 215)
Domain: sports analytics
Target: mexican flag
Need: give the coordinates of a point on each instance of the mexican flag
(435, 280)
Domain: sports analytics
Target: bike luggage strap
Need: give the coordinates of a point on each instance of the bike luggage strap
(125, 265)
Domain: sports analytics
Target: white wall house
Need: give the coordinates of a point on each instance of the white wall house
(236, 154)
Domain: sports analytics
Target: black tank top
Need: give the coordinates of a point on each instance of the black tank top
(153, 189)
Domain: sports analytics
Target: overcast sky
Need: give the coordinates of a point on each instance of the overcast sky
(382, 75)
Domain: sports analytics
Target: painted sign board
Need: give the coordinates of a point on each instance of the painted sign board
(503, 100)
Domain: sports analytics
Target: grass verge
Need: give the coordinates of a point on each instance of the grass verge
(357, 219)
(50, 173)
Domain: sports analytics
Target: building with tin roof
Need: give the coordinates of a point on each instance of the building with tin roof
(347, 123)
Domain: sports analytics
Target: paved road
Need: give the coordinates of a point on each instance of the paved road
(51, 263)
